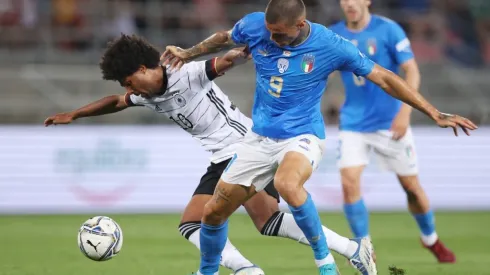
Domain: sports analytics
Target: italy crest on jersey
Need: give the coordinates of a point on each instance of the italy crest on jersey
(307, 63)
(372, 46)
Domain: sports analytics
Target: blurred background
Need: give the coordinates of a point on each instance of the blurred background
(49, 49)
(138, 162)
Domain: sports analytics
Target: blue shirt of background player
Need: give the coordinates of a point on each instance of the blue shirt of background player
(367, 107)
(290, 80)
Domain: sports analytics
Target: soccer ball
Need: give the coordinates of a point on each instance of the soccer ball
(100, 238)
(254, 270)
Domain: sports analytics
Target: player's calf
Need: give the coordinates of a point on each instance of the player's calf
(290, 177)
(214, 229)
(190, 229)
(355, 210)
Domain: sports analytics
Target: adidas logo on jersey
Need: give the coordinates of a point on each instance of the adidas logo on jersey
(157, 108)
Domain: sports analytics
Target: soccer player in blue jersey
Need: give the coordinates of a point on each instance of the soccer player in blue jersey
(371, 119)
(293, 58)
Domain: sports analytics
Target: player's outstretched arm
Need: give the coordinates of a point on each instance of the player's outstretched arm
(401, 122)
(398, 88)
(217, 42)
(232, 58)
(106, 105)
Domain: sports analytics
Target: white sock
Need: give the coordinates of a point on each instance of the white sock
(429, 240)
(231, 258)
(328, 260)
(342, 245)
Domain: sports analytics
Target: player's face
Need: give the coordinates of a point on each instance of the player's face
(144, 82)
(355, 10)
(284, 34)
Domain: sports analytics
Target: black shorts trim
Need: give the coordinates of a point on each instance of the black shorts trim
(210, 179)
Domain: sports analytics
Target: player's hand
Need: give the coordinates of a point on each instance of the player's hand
(238, 56)
(175, 56)
(400, 125)
(62, 118)
(454, 121)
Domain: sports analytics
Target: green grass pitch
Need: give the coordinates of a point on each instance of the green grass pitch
(42, 245)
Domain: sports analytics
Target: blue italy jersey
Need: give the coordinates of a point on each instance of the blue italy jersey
(367, 107)
(290, 80)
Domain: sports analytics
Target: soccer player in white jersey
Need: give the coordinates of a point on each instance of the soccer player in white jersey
(371, 119)
(191, 99)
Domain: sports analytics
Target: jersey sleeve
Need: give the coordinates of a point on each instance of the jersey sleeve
(399, 44)
(133, 100)
(351, 59)
(244, 29)
(202, 71)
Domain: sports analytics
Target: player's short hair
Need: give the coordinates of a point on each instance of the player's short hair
(287, 11)
(125, 55)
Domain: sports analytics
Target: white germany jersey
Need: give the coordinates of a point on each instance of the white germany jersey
(195, 103)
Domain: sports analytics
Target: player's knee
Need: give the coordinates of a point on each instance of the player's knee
(285, 186)
(412, 188)
(350, 183)
(213, 215)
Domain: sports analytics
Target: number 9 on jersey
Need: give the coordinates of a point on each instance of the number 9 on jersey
(275, 85)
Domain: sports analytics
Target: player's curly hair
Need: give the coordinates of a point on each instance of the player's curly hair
(124, 56)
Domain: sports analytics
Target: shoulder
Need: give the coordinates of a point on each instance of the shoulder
(386, 23)
(252, 21)
(326, 37)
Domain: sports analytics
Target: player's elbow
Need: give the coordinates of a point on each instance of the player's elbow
(381, 77)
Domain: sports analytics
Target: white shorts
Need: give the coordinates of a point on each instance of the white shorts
(397, 156)
(257, 158)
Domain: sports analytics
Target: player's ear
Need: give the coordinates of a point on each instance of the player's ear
(301, 24)
(143, 68)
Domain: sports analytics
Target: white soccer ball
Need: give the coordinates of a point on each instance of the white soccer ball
(254, 270)
(100, 238)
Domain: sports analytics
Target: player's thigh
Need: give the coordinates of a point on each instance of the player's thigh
(226, 199)
(352, 150)
(262, 206)
(297, 161)
(397, 155)
(251, 164)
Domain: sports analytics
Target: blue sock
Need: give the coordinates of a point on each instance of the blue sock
(358, 217)
(307, 218)
(212, 240)
(426, 222)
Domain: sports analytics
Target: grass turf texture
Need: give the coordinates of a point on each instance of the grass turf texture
(41, 245)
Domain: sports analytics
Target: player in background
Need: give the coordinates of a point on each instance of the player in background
(293, 58)
(192, 100)
(371, 119)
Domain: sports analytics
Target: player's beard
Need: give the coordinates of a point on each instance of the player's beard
(163, 88)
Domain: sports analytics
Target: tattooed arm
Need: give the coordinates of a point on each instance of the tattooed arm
(217, 42)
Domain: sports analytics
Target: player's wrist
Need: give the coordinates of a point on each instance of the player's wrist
(74, 115)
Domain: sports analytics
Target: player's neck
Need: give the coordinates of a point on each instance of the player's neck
(303, 35)
(361, 24)
(164, 83)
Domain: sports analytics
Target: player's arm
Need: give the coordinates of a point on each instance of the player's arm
(412, 77)
(349, 58)
(106, 105)
(222, 40)
(401, 122)
(232, 58)
(400, 49)
(176, 56)
(399, 88)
